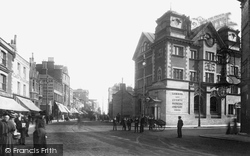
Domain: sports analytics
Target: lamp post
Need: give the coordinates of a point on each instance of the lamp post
(143, 91)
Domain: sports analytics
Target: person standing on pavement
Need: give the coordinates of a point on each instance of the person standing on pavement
(114, 124)
(21, 128)
(142, 122)
(39, 137)
(179, 127)
(129, 121)
(136, 124)
(27, 125)
(11, 130)
(4, 130)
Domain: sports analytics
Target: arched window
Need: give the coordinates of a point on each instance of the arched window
(159, 74)
(196, 105)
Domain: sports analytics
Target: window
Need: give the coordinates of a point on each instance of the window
(18, 88)
(160, 53)
(234, 70)
(159, 74)
(213, 105)
(2, 82)
(209, 56)
(19, 68)
(178, 74)
(145, 46)
(234, 89)
(24, 72)
(3, 58)
(194, 54)
(230, 109)
(178, 50)
(24, 90)
(218, 78)
(209, 77)
(219, 59)
(193, 76)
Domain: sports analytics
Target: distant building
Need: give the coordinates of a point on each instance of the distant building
(123, 102)
(55, 86)
(82, 95)
(35, 89)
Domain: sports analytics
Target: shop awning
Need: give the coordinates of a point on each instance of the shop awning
(11, 104)
(66, 108)
(28, 104)
(61, 108)
(84, 112)
(76, 110)
(73, 110)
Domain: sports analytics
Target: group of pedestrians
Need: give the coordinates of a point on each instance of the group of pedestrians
(126, 123)
(14, 130)
(140, 122)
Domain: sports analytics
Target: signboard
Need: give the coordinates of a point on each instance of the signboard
(218, 21)
(177, 101)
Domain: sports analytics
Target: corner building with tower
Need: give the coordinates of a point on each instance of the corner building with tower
(177, 70)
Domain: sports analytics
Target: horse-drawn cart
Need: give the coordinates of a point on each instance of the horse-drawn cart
(158, 125)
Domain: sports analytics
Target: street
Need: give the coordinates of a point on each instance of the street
(96, 138)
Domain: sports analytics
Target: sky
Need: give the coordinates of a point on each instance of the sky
(95, 39)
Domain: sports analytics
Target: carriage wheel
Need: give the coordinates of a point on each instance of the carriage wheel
(161, 127)
(154, 127)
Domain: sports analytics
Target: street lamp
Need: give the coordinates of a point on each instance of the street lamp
(144, 83)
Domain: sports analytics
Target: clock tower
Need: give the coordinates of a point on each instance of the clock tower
(173, 24)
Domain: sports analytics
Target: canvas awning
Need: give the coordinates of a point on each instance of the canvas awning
(11, 104)
(28, 104)
(84, 112)
(76, 110)
(65, 107)
(61, 108)
(73, 110)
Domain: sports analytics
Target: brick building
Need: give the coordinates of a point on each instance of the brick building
(181, 69)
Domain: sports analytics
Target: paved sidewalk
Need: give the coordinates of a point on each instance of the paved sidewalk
(240, 137)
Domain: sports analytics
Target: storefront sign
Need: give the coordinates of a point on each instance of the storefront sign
(177, 101)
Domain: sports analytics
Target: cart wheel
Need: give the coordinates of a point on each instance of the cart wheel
(161, 127)
(154, 127)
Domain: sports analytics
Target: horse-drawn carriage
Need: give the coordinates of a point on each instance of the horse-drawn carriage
(157, 125)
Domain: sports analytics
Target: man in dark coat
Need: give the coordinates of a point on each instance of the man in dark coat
(4, 130)
(21, 127)
(136, 124)
(179, 127)
(142, 122)
(40, 137)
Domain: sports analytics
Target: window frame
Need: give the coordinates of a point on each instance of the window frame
(175, 46)
(193, 78)
(159, 74)
(3, 56)
(194, 54)
(178, 73)
(210, 56)
(3, 82)
(209, 78)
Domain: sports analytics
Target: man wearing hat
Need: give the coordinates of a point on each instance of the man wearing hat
(21, 127)
(4, 130)
(179, 127)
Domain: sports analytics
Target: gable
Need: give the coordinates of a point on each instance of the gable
(208, 27)
(146, 37)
